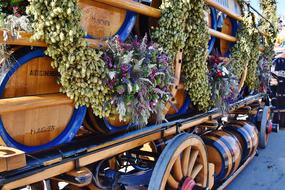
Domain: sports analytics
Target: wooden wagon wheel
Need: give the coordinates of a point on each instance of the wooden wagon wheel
(182, 165)
(72, 187)
(38, 186)
(265, 127)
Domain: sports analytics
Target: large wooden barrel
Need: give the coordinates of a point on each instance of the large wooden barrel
(229, 26)
(212, 23)
(224, 150)
(100, 20)
(247, 135)
(35, 129)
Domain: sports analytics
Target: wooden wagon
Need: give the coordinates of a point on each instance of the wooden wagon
(190, 151)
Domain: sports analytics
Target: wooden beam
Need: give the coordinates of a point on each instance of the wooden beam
(130, 5)
(25, 40)
(32, 102)
(223, 9)
(221, 35)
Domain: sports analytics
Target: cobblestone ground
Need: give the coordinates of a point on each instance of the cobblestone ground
(267, 170)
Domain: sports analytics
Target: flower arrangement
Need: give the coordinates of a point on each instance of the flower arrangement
(224, 83)
(140, 76)
(14, 7)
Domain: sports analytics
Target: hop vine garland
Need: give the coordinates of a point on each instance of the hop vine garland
(246, 53)
(269, 9)
(82, 71)
(183, 25)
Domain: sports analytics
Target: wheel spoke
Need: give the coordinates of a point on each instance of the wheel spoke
(172, 182)
(185, 160)
(196, 170)
(177, 169)
(193, 158)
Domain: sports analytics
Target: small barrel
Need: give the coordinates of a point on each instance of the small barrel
(105, 125)
(229, 26)
(36, 129)
(224, 150)
(247, 135)
(102, 21)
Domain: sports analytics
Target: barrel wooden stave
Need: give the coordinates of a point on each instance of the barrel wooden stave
(247, 135)
(224, 150)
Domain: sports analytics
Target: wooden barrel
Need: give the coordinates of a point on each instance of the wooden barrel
(212, 23)
(35, 129)
(105, 125)
(224, 150)
(247, 135)
(227, 26)
(180, 104)
(100, 20)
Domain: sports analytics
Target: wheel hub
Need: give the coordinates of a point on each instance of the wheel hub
(269, 127)
(188, 184)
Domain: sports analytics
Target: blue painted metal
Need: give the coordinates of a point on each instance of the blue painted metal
(214, 19)
(136, 179)
(113, 128)
(68, 133)
(184, 108)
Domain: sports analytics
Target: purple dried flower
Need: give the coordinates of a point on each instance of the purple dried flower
(163, 58)
(108, 60)
(125, 68)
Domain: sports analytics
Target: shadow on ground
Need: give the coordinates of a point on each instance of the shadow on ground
(267, 170)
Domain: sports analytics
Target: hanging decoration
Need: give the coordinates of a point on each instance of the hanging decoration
(82, 71)
(140, 76)
(183, 26)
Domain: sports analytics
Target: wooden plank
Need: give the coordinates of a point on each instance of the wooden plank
(131, 5)
(46, 174)
(11, 158)
(221, 35)
(156, 13)
(25, 41)
(227, 10)
(32, 102)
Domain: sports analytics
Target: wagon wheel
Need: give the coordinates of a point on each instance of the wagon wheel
(182, 165)
(38, 186)
(265, 127)
(72, 187)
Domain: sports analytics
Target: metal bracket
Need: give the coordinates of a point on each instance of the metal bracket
(178, 126)
(77, 164)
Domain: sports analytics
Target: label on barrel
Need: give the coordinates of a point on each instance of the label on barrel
(232, 5)
(100, 20)
(43, 130)
(43, 73)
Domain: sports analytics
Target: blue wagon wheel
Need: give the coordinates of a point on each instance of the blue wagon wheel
(182, 165)
(265, 127)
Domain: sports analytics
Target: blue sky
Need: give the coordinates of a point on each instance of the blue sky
(280, 6)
